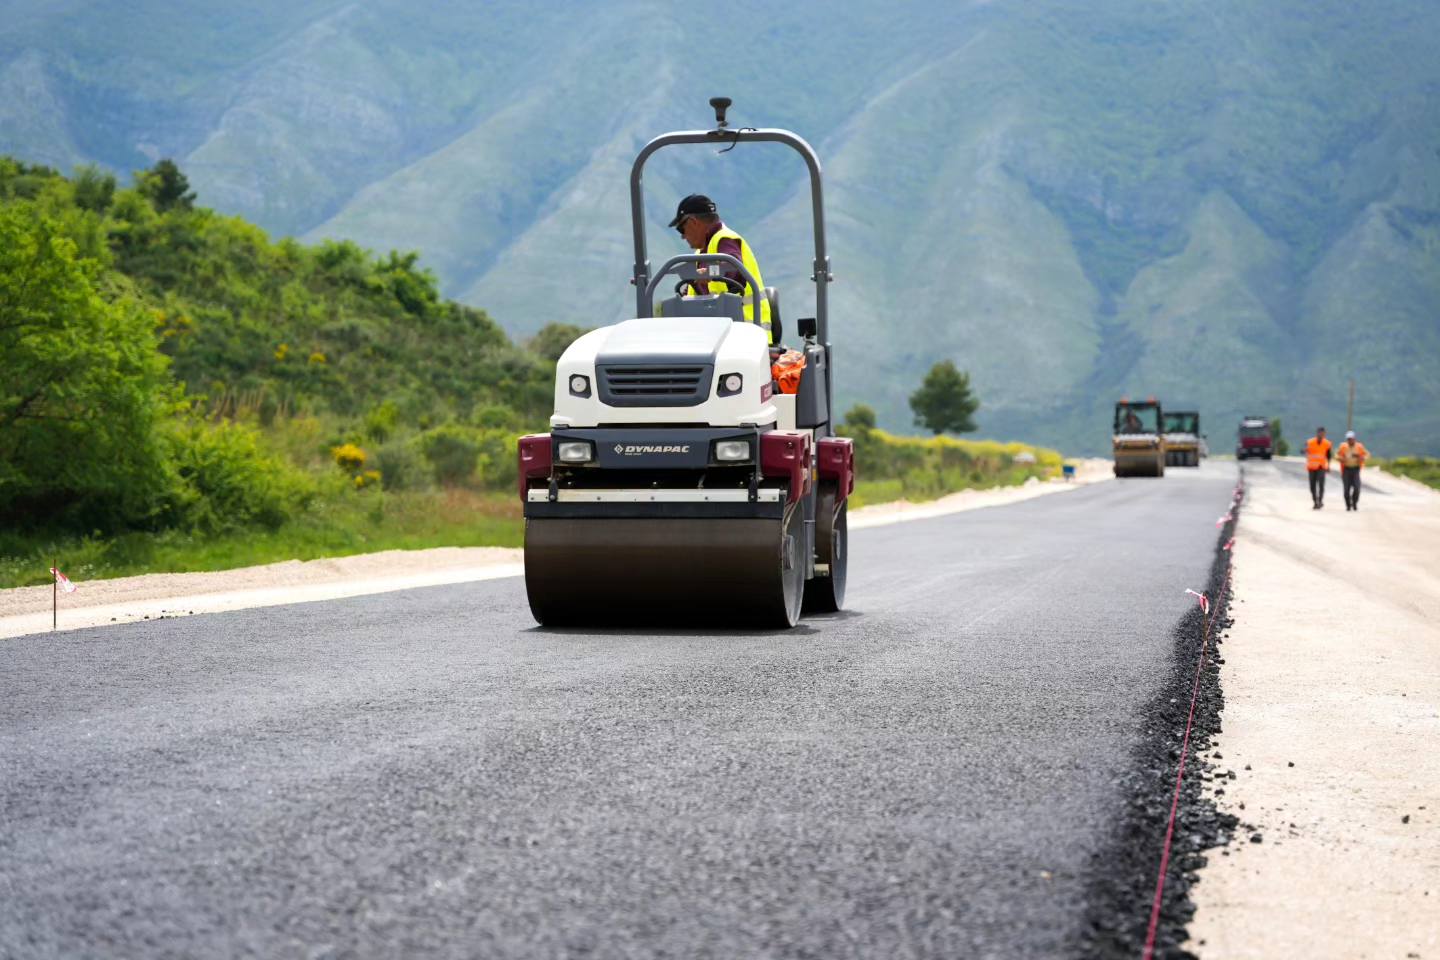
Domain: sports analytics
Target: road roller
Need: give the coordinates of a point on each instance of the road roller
(1137, 441)
(690, 476)
(1182, 438)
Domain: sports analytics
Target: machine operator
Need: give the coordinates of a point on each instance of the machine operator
(697, 220)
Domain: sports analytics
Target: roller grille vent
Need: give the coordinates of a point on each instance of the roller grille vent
(655, 384)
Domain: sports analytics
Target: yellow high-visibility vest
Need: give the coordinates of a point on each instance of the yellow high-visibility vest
(747, 257)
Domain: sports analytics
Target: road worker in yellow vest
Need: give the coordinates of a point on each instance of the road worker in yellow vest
(697, 220)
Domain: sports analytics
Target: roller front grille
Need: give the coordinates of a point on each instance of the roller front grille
(655, 385)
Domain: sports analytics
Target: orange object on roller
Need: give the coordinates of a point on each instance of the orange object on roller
(787, 369)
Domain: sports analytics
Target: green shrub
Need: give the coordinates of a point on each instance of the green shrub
(401, 467)
(498, 463)
(914, 468)
(380, 422)
(495, 416)
(452, 451)
(1424, 469)
(225, 481)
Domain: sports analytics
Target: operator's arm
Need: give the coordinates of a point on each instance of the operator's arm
(732, 247)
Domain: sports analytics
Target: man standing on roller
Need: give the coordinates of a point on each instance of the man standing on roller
(697, 220)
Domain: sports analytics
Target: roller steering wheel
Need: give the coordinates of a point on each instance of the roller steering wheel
(736, 286)
(686, 267)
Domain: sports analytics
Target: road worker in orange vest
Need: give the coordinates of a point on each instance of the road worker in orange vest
(1317, 464)
(1351, 454)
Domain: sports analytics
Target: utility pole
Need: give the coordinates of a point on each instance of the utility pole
(1350, 408)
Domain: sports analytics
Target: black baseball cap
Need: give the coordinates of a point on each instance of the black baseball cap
(691, 205)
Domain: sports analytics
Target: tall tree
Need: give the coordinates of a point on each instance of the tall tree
(166, 187)
(94, 188)
(944, 403)
(82, 387)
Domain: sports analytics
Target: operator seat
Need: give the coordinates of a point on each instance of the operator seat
(776, 330)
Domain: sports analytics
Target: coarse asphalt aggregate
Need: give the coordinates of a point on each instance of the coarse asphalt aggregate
(931, 773)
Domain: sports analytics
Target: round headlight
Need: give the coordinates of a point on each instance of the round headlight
(732, 383)
(579, 384)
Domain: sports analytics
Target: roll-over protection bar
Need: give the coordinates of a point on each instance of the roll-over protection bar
(722, 136)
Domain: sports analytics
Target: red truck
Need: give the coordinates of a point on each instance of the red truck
(1255, 439)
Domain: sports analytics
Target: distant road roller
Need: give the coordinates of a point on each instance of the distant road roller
(1182, 438)
(679, 483)
(1137, 441)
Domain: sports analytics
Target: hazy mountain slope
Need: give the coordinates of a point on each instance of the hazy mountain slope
(1205, 319)
(1227, 205)
(938, 252)
(33, 113)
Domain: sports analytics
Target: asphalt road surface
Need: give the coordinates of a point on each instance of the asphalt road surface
(428, 773)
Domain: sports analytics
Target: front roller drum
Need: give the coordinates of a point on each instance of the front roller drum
(607, 571)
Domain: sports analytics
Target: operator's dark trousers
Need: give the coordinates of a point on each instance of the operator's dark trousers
(1317, 485)
(1350, 477)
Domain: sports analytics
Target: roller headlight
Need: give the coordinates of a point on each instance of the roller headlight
(732, 451)
(731, 384)
(580, 385)
(575, 451)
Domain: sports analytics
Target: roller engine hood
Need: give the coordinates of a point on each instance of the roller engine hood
(664, 340)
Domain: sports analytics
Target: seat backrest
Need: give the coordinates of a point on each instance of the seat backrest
(776, 330)
(707, 305)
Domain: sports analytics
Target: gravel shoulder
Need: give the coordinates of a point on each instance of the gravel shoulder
(27, 610)
(1331, 726)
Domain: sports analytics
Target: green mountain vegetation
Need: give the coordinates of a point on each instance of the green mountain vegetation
(181, 392)
(173, 377)
(1232, 206)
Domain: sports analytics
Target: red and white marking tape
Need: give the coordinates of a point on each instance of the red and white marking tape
(63, 580)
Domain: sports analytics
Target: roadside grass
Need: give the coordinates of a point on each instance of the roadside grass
(342, 521)
(1424, 469)
(363, 522)
(919, 469)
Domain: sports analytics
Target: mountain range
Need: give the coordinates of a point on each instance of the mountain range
(1232, 206)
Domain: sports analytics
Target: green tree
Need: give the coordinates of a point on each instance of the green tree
(94, 188)
(166, 187)
(859, 418)
(82, 388)
(944, 403)
(453, 453)
(1277, 439)
(553, 338)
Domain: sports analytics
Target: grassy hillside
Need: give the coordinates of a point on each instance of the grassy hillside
(180, 392)
(1229, 205)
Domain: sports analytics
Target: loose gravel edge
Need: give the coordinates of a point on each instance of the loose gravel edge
(1125, 869)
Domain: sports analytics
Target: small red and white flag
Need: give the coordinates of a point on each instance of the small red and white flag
(1229, 544)
(1204, 600)
(63, 580)
(1224, 520)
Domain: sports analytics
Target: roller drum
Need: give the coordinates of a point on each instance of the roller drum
(607, 571)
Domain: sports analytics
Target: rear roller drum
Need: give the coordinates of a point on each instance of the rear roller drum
(826, 592)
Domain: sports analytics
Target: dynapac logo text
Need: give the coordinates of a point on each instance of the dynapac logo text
(636, 449)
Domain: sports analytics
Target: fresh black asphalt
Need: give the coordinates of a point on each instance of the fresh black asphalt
(932, 773)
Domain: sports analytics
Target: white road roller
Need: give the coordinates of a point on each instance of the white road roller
(678, 482)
